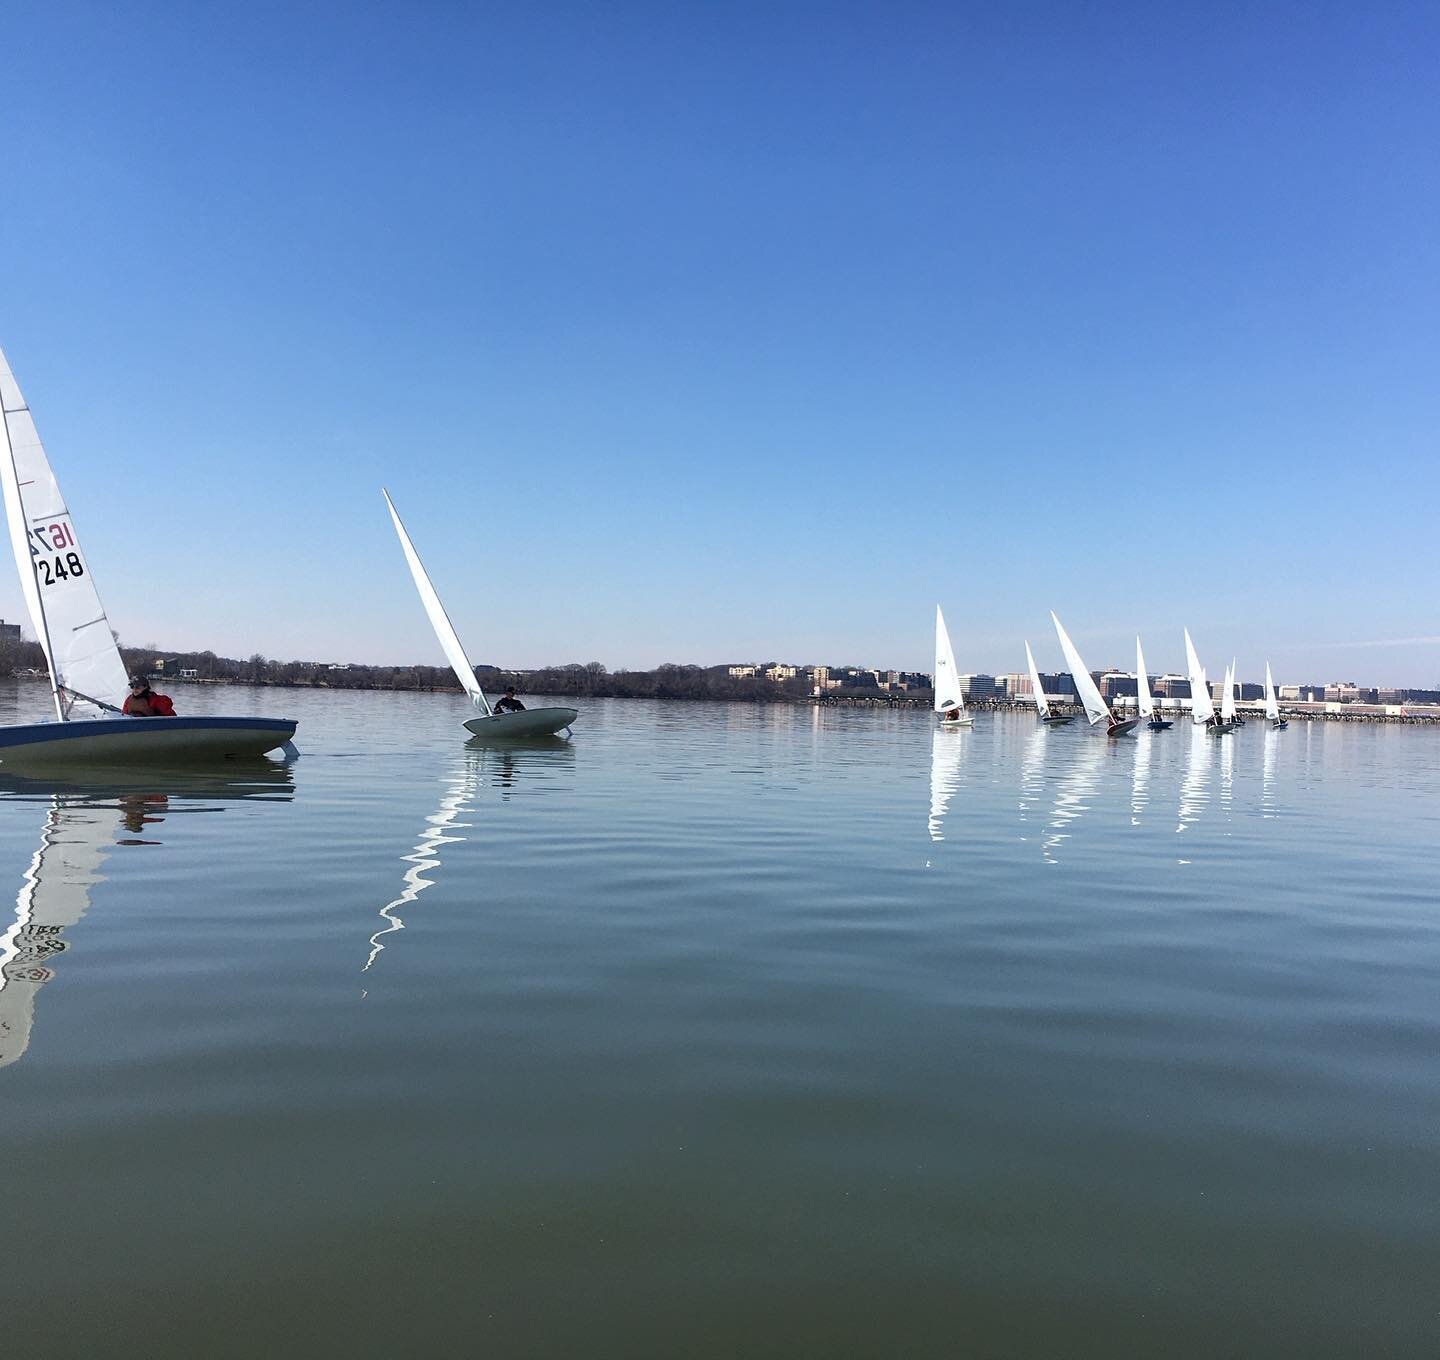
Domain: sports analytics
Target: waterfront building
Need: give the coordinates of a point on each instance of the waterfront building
(9, 632)
(742, 672)
(1117, 685)
(978, 686)
(1015, 685)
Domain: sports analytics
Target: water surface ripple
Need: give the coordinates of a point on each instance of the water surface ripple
(727, 1031)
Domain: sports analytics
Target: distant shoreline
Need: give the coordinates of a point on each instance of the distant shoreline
(1412, 715)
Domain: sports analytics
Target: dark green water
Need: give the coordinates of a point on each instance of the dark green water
(724, 1031)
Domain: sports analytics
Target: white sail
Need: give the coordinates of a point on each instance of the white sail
(450, 642)
(947, 682)
(1202, 710)
(54, 576)
(1272, 706)
(1041, 702)
(1142, 684)
(1096, 709)
(1227, 700)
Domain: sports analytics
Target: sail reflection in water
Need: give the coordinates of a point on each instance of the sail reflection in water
(1032, 770)
(508, 766)
(1267, 777)
(946, 754)
(84, 821)
(1195, 786)
(1073, 795)
(1140, 782)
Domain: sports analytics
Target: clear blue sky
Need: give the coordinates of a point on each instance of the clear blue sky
(715, 332)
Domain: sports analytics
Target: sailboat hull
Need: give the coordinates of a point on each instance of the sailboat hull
(112, 741)
(532, 722)
(1123, 728)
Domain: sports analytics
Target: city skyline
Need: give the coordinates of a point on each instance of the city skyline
(694, 334)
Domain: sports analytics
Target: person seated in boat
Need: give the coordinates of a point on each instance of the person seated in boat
(509, 704)
(952, 715)
(145, 703)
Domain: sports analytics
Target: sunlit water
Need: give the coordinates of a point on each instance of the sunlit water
(725, 1031)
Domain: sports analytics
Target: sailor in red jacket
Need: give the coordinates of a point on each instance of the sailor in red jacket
(145, 703)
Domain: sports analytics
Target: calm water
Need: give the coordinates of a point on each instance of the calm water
(726, 1031)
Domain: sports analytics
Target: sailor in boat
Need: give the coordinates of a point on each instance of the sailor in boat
(952, 715)
(145, 703)
(509, 703)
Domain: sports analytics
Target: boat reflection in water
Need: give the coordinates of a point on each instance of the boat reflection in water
(82, 821)
(1195, 786)
(947, 753)
(1140, 781)
(1074, 792)
(1267, 785)
(509, 766)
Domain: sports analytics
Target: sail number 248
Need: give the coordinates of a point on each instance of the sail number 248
(53, 548)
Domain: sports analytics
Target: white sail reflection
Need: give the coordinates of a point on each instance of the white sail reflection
(946, 755)
(86, 818)
(75, 841)
(1032, 770)
(1140, 781)
(1267, 776)
(1227, 782)
(1195, 786)
(511, 767)
(441, 829)
(1073, 795)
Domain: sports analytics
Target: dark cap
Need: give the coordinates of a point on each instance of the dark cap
(139, 680)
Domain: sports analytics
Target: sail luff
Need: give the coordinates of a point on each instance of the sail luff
(1202, 710)
(947, 682)
(1272, 706)
(445, 632)
(1096, 709)
(24, 562)
(1041, 703)
(1142, 684)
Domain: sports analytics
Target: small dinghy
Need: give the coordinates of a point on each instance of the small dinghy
(493, 726)
(1042, 705)
(1096, 709)
(1143, 700)
(949, 702)
(87, 675)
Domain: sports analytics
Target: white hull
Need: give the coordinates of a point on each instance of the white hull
(533, 722)
(109, 741)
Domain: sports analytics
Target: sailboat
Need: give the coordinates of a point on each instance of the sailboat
(1272, 705)
(1202, 710)
(1096, 709)
(1227, 699)
(1232, 687)
(530, 722)
(949, 702)
(87, 675)
(1142, 694)
(1042, 704)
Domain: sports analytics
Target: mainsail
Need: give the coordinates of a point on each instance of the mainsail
(1041, 702)
(1096, 709)
(1227, 700)
(947, 682)
(1202, 710)
(450, 642)
(1272, 706)
(55, 578)
(1142, 684)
